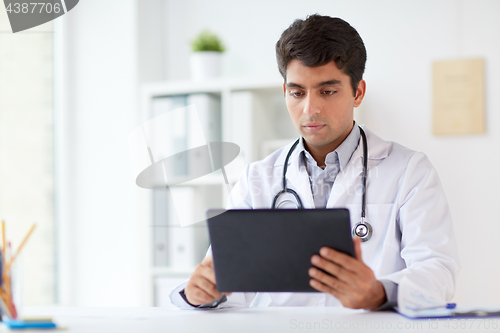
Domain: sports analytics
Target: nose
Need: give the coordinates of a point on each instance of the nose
(311, 105)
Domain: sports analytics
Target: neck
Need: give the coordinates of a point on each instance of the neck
(319, 152)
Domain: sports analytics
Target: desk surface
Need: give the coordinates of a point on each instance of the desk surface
(290, 319)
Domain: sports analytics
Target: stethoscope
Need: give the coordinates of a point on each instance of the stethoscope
(362, 229)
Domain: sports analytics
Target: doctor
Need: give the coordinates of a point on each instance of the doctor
(322, 60)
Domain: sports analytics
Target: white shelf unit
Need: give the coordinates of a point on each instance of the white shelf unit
(253, 115)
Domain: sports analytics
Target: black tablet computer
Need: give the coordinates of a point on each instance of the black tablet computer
(270, 249)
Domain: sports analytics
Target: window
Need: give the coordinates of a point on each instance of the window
(27, 154)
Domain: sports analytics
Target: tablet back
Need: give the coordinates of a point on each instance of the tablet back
(271, 249)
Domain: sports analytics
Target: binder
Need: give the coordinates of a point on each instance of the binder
(456, 313)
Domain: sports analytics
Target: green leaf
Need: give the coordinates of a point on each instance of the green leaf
(207, 41)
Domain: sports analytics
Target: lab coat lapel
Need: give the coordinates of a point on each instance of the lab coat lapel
(299, 180)
(347, 187)
(345, 183)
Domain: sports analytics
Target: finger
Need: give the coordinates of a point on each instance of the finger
(341, 259)
(199, 282)
(208, 287)
(328, 280)
(325, 265)
(210, 274)
(323, 288)
(207, 272)
(197, 296)
(357, 248)
(333, 269)
(208, 261)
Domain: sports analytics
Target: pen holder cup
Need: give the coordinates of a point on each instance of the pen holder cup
(12, 296)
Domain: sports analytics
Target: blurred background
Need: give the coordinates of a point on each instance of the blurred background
(72, 90)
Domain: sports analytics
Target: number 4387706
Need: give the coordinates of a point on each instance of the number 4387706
(33, 7)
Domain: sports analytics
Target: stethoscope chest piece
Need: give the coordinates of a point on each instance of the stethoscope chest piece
(362, 230)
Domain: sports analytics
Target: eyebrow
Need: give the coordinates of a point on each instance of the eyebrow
(321, 84)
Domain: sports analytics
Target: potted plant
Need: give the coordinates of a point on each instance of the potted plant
(206, 57)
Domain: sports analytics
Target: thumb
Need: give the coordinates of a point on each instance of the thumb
(357, 248)
(208, 261)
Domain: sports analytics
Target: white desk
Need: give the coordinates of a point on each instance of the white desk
(290, 319)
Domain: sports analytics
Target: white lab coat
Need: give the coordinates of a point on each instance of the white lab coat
(413, 234)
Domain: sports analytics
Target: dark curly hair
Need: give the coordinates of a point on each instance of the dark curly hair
(318, 40)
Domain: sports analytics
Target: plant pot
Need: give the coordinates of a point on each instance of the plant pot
(205, 65)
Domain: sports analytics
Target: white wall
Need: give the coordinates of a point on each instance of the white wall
(97, 109)
(402, 40)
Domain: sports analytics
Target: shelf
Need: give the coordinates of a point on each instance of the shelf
(203, 181)
(253, 115)
(158, 89)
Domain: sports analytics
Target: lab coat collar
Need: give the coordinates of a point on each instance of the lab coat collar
(349, 182)
(378, 149)
(297, 175)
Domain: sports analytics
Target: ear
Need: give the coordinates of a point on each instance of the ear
(360, 93)
(284, 88)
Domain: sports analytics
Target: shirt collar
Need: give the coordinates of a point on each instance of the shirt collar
(343, 152)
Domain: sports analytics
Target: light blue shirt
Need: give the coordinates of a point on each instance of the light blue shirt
(322, 180)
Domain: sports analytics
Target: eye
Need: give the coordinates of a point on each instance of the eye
(329, 92)
(296, 94)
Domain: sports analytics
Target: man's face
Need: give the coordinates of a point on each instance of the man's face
(320, 101)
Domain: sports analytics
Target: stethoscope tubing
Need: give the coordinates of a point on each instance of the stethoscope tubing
(365, 168)
(285, 189)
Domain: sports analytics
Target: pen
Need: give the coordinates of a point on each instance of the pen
(446, 306)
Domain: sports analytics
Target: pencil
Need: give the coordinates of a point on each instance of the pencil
(5, 309)
(4, 257)
(12, 306)
(3, 239)
(6, 279)
(7, 267)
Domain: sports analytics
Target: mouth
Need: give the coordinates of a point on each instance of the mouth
(313, 127)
